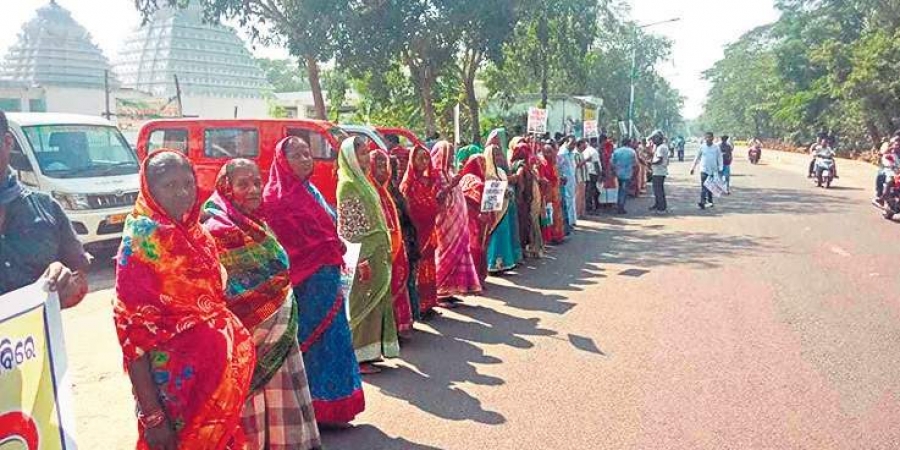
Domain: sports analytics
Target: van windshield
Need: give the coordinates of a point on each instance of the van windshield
(81, 151)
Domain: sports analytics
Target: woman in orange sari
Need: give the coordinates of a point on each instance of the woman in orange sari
(189, 358)
(553, 224)
(420, 188)
(380, 175)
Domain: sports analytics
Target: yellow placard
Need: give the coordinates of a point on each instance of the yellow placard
(31, 417)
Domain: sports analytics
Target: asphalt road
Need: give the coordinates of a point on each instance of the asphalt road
(769, 322)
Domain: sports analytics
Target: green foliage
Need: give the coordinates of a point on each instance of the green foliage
(285, 75)
(825, 65)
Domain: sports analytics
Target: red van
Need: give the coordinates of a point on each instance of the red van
(211, 143)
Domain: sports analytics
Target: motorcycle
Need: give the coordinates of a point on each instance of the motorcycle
(824, 171)
(890, 201)
(754, 154)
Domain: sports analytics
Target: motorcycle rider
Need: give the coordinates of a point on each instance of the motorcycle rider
(822, 147)
(890, 168)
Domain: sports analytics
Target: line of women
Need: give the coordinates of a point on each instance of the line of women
(235, 329)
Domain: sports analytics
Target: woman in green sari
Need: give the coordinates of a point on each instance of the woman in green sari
(504, 250)
(361, 220)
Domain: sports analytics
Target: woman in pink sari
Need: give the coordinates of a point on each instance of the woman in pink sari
(456, 273)
(472, 182)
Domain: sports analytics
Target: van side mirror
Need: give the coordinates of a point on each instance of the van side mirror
(18, 161)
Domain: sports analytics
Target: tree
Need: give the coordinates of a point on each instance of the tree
(310, 29)
(283, 74)
(483, 29)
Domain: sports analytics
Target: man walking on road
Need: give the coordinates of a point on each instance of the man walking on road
(660, 170)
(727, 157)
(709, 157)
(623, 161)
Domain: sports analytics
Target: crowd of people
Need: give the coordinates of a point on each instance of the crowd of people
(235, 328)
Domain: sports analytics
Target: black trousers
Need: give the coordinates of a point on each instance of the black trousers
(659, 192)
(592, 197)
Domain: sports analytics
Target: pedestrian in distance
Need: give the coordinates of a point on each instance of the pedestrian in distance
(624, 161)
(659, 166)
(727, 157)
(594, 168)
(709, 158)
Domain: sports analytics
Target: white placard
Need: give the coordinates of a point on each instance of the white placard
(348, 272)
(590, 128)
(537, 120)
(494, 193)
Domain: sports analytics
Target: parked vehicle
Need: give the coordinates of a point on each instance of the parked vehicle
(374, 137)
(407, 138)
(84, 163)
(754, 154)
(211, 143)
(890, 200)
(824, 171)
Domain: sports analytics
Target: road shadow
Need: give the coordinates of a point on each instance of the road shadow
(369, 438)
(439, 362)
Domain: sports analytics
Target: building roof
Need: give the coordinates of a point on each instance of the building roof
(55, 50)
(208, 59)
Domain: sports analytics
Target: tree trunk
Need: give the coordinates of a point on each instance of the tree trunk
(472, 103)
(312, 70)
(874, 134)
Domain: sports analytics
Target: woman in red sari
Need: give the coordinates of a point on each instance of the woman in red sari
(553, 227)
(472, 183)
(420, 188)
(189, 358)
(380, 176)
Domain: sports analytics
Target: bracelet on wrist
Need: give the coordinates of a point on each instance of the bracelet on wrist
(152, 419)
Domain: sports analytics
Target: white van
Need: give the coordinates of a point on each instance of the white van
(84, 163)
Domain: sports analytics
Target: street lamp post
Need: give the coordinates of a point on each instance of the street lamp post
(634, 69)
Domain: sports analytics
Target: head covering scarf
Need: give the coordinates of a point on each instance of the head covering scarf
(298, 215)
(259, 281)
(353, 181)
(493, 172)
(170, 304)
(441, 159)
(463, 154)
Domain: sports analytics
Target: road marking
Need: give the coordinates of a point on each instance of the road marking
(840, 251)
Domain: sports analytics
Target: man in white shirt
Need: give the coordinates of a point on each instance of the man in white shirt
(709, 158)
(659, 166)
(592, 160)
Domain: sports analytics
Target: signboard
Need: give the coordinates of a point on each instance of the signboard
(590, 114)
(131, 113)
(348, 272)
(590, 128)
(537, 120)
(35, 402)
(494, 192)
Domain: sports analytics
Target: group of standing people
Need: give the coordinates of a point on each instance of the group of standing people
(235, 329)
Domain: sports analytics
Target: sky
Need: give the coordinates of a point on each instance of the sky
(706, 26)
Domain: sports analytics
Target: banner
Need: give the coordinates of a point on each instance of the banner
(35, 401)
(590, 114)
(537, 120)
(492, 199)
(590, 129)
(131, 113)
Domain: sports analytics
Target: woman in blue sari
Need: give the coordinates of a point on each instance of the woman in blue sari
(504, 251)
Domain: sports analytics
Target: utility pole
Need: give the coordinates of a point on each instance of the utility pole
(178, 96)
(107, 114)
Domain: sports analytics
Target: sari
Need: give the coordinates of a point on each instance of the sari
(565, 162)
(464, 153)
(581, 177)
(528, 199)
(410, 240)
(361, 220)
(278, 415)
(552, 227)
(456, 273)
(401, 154)
(305, 226)
(472, 184)
(399, 260)
(504, 251)
(170, 306)
(420, 192)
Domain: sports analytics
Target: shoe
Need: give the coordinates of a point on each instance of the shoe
(711, 205)
(701, 205)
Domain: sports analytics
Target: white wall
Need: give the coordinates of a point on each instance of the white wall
(77, 100)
